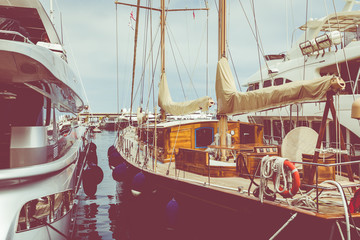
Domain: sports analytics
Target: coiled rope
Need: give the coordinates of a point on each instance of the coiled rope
(269, 167)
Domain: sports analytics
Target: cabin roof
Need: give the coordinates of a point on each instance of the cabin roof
(183, 122)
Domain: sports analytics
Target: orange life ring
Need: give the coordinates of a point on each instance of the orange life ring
(295, 181)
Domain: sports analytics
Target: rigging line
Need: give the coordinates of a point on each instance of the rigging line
(142, 80)
(306, 30)
(343, 50)
(147, 59)
(287, 24)
(330, 27)
(207, 48)
(134, 59)
(198, 52)
(292, 21)
(337, 64)
(125, 70)
(257, 39)
(117, 62)
(253, 33)
(232, 62)
(152, 86)
(205, 33)
(149, 16)
(173, 150)
(177, 69)
(152, 61)
(182, 59)
(75, 63)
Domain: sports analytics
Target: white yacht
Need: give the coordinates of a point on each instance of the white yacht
(42, 148)
(329, 45)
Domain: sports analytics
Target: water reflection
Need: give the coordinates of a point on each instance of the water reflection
(93, 214)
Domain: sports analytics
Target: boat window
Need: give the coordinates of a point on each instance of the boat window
(277, 128)
(47, 107)
(44, 210)
(302, 124)
(316, 126)
(26, 108)
(278, 81)
(288, 125)
(204, 136)
(11, 29)
(288, 81)
(253, 87)
(267, 83)
(355, 147)
(267, 127)
(247, 133)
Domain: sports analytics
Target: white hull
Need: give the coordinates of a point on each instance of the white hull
(21, 185)
(41, 145)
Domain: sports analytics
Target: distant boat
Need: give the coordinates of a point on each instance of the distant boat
(108, 124)
(96, 130)
(250, 189)
(42, 147)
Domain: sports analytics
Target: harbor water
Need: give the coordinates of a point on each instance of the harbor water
(114, 213)
(96, 216)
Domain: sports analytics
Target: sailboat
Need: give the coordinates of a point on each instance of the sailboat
(245, 187)
(42, 146)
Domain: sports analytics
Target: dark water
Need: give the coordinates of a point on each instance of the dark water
(95, 215)
(114, 213)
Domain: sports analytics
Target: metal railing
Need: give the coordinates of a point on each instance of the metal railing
(15, 34)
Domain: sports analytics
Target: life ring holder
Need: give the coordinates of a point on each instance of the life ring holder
(295, 181)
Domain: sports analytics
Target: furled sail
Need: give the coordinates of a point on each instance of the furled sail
(180, 108)
(230, 101)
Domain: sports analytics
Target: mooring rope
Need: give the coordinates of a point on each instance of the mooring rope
(269, 167)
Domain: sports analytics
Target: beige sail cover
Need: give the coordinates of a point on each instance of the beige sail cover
(230, 101)
(180, 108)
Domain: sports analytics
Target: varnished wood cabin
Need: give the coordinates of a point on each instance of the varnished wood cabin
(191, 139)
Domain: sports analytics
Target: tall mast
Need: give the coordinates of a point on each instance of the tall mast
(134, 61)
(222, 53)
(162, 24)
(222, 29)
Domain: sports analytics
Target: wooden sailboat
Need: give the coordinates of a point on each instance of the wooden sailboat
(250, 190)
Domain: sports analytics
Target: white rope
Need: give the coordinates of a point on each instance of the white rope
(269, 167)
(305, 201)
(331, 150)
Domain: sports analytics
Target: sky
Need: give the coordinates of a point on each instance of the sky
(92, 28)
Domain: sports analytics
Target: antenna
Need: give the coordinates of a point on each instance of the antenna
(51, 11)
(62, 32)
